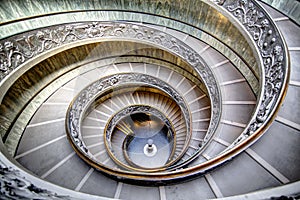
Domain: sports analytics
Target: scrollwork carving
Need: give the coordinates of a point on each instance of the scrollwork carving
(270, 47)
(10, 55)
(219, 2)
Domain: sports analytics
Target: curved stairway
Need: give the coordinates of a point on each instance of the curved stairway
(237, 98)
(272, 161)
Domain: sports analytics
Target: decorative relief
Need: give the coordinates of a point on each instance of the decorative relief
(14, 186)
(10, 56)
(219, 2)
(270, 47)
(255, 21)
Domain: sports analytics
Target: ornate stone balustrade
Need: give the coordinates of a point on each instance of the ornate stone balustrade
(260, 31)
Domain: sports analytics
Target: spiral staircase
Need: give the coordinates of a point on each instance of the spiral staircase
(150, 99)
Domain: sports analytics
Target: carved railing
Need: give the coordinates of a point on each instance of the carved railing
(274, 62)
